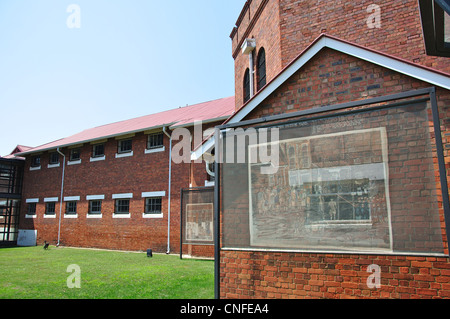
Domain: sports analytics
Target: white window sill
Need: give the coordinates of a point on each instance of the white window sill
(70, 215)
(30, 216)
(119, 155)
(155, 150)
(96, 159)
(94, 216)
(35, 168)
(74, 162)
(49, 216)
(144, 215)
(121, 215)
(53, 165)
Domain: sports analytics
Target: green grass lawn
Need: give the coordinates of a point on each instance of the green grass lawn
(35, 273)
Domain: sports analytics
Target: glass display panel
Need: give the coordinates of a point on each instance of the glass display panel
(198, 216)
(362, 182)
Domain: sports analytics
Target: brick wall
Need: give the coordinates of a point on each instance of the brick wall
(136, 174)
(331, 78)
(285, 28)
(302, 275)
(260, 20)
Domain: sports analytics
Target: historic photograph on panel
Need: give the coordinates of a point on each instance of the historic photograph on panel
(330, 192)
(199, 222)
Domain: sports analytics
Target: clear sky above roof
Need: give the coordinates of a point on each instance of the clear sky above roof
(126, 59)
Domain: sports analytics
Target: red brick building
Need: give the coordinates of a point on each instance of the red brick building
(358, 205)
(115, 186)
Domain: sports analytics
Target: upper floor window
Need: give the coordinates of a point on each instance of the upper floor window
(124, 146)
(54, 158)
(75, 154)
(247, 85)
(435, 17)
(98, 150)
(155, 140)
(261, 68)
(36, 161)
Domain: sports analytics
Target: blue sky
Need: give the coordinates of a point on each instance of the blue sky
(128, 58)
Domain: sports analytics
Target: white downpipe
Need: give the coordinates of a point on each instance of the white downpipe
(169, 191)
(250, 61)
(62, 191)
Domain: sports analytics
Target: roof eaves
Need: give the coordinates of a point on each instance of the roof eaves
(43, 149)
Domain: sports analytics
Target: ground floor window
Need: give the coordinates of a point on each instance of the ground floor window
(50, 208)
(71, 208)
(31, 209)
(153, 205)
(122, 206)
(95, 207)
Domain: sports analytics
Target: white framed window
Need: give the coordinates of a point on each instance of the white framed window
(75, 156)
(153, 204)
(95, 206)
(50, 210)
(35, 163)
(71, 206)
(31, 210)
(124, 148)
(98, 152)
(155, 143)
(122, 205)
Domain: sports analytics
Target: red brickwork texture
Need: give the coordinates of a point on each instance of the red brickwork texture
(332, 78)
(285, 28)
(136, 174)
(302, 275)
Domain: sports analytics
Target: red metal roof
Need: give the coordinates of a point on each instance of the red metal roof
(218, 110)
(17, 149)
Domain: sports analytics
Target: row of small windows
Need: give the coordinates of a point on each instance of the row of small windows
(125, 146)
(260, 75)
(153, 205)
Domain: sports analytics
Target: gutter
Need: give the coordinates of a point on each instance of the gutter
(61, 199)
(169, 191)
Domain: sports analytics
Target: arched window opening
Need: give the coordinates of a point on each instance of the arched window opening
(261, 71)
(247, 85)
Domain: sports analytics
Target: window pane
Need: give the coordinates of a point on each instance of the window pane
(155, 140)
(246, 85)
(95, 207)
(32, 209)
(124, 146)
(54, 158)
(98, 150)
(50, 208)
(122, 206)
(75, 154)
(36, 161)
(153, 205)
(71, 207)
